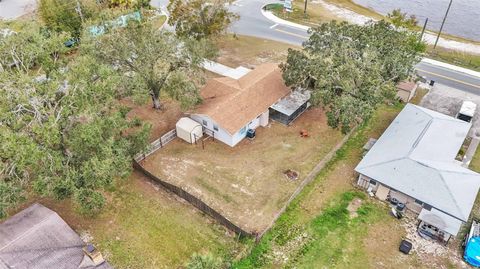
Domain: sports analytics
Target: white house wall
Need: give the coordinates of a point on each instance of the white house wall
(221, 134)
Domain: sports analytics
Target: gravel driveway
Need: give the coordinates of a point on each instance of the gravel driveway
(448, 101)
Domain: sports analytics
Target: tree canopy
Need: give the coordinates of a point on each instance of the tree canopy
(200, 18)
(155, 61)
(351, 69)
(401, 19)
(63, 15)
(65, 135)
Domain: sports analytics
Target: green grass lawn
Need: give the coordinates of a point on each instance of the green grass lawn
(470, 61)
(316, 230)
(143, 226)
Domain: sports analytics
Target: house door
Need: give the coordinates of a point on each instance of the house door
(382, 192)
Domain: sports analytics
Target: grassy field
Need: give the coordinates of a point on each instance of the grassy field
(470, 61)
(315, 15)
(250, 51)
(247, 183)
(319, 230)
(142, 226)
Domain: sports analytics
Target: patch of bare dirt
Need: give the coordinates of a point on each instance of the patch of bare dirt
(353, 207)
(161, 121)
(246, 183)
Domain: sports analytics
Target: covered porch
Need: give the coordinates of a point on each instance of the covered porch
(290, 107)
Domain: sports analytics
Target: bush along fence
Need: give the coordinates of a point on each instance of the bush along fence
(157, 144)
(193, 200)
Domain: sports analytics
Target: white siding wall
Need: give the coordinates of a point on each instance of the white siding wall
(222, 134)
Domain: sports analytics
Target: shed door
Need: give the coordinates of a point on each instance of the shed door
(382, 192)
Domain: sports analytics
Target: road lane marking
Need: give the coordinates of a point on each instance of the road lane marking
(449, 78)
(273, 26)
(293, 34)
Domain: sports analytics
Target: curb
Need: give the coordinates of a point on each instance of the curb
(428, 37)
(270, 16)
(451, 67)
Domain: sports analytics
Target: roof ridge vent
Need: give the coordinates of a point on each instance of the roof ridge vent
(422, 134)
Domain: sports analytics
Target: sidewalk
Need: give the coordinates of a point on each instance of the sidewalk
(451, 67)
(224, 70)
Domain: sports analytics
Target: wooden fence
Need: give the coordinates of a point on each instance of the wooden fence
(157, 144)
(194, 201)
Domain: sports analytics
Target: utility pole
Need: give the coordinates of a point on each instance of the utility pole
(305, 9)
(443, 22)
(423, 30)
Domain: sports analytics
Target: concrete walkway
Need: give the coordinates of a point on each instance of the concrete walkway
(472, 148)
(224, 70)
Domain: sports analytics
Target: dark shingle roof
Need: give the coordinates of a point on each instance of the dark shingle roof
(38, 238)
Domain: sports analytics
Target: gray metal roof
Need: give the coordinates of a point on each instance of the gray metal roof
(416, 155)
(38, 238)
(290, 103)
(441, 220)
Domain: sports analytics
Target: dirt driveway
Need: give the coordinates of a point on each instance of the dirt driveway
(247, 183)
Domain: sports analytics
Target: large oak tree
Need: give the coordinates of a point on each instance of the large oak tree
(200, 19)
(156, 61)
(351, 69)
(64, 135)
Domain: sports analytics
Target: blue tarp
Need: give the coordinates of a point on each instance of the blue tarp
(119, 22)
(472, 251)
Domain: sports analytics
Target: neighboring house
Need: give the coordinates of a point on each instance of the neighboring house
(232, 106)
(414, 162)
(38, 238)
(406, 90)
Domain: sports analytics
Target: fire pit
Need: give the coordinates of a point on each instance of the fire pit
(290, 174)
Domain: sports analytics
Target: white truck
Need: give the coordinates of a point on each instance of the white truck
(467, 111)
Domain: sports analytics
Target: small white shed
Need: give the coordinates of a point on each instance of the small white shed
(189, 130)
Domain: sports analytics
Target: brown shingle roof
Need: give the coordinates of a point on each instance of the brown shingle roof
(234, 103)
(407, 85)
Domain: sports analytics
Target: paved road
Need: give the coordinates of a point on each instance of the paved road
(253, 23)
(11, 9)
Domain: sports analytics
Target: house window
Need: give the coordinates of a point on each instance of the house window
(215, 127)
(243, 130)
(427, 207)
(373, 182)
(205, 123)
(418, 202)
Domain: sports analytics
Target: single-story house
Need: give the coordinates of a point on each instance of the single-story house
(414, 162)
(232, 106)
(37, 238)
(406, 90)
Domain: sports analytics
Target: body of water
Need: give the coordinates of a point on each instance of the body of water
(463, 19)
